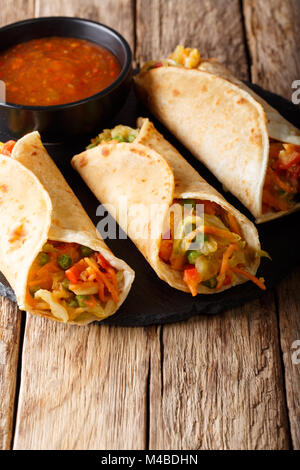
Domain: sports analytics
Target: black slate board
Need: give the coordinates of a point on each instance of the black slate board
(152, 301)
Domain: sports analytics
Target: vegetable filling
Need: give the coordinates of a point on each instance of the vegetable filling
(213, 253)
(207, 247)
(119, 134)
(71, 280)
(282, 183)
(181, 57)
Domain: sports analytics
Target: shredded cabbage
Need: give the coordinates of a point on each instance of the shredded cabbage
(263, 254)
(208, 266)
(57, 310)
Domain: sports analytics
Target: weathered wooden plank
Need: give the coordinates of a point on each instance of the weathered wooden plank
(273, 30)
(19, 10)
(213, 26)
(215, 383)
(118, 14)
(10, 317)
(82, 387)
(289, 309)
(10, 324)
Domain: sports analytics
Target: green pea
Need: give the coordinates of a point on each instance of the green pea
(192, 255)
(131, 138)
(211, 283)
(86, 251)
(188, 202)
(64, 261)
(119, 138)
(81, 300)
(73, 303)
(33, 290)
(43, 258)
(91, 146)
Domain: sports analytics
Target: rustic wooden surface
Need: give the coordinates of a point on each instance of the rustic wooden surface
(289, 308)
(226, 382)
(10, 328)
(91, 391)
(273, 32)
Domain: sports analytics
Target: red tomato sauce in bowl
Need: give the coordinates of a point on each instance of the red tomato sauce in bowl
(56, 70)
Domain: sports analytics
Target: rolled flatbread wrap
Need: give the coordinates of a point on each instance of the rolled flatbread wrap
(50, 251)
(244, 142)
(210, 247)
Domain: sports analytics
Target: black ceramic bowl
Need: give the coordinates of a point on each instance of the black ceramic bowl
(84, 117)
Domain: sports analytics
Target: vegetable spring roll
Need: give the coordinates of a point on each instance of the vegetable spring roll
(245, 142)
(210, 247)
(50, 251)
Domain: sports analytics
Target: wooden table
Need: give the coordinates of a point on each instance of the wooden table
(224, 382)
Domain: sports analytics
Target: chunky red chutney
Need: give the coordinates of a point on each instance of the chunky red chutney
(56, 70)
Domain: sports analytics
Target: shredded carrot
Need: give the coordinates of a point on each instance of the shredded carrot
(91, 302)
(101, 292)
(165, 251)
(50, 267)
(210, 207)
(74, 272)
(102, 261)
(100, 275)
(45, 281)
(112, 275)
(192, 278)
(227, 279)
(234, 224)
(103, 281)
(274, 201)
(281, 184)
(226, 255)
(258, 282)
(224, 265)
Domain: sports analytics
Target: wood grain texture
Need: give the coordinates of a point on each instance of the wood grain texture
(273, 31)
(82, 387)
(10, 325)
(289, 308)
(218, 383)
(117, 14)
(213, 26)
(16, 11)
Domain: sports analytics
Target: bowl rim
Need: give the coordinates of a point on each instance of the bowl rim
(124, 72)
